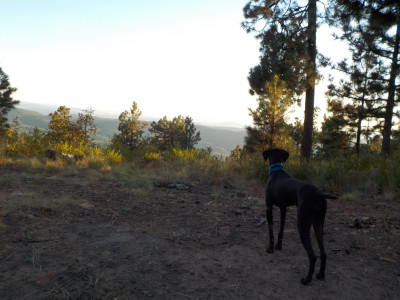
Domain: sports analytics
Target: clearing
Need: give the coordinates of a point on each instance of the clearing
(76, 234)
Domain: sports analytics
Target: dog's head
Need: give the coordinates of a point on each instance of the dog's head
(275, 155)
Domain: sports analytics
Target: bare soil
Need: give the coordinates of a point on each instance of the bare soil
(113, 241)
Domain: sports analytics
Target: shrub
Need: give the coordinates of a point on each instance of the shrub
(26, 143)
(150, 157)
(113, 156)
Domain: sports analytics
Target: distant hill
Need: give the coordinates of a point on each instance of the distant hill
(222, 140)
(29, 118)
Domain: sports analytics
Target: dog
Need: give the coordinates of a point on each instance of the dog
(283, 190)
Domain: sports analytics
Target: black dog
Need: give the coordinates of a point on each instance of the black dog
(283, 191)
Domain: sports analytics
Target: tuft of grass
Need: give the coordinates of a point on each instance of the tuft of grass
(351, 196)
(33, 163)
(52, 166)
(96, 164)
(4, 160)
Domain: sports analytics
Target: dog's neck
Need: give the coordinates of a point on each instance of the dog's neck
(275, 167)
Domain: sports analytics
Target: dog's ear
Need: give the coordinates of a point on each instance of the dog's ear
(285, 155)
(265, 154)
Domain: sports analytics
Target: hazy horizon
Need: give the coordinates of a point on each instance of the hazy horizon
(46, 109)
(176, 58)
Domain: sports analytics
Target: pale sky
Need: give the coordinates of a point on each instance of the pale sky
(176, 57)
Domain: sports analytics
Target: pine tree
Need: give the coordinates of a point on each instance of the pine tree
(364, 89)
(336, 130)
(179, 132)
(377, 22)
(162, 135)
(6, 101)
(270, 117)
(132, 128)
(288, 46)
(190, 137)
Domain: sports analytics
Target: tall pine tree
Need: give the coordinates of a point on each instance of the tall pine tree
(288, 49)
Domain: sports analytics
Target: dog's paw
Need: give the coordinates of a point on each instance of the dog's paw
(320, 276)
(278, 246)
(305, 281)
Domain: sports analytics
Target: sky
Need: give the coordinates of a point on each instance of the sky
(175, 57)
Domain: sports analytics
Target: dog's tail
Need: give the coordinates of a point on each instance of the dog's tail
(327, 196)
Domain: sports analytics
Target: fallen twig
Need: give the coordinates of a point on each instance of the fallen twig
(387, 259)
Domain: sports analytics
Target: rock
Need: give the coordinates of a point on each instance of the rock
(255, 199)
(182, 187)
(260, 222)
(86, 205)
(229, 184)
(244, 206)
(179, 186)
(364, 222)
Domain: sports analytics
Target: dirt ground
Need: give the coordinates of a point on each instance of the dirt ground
(110, 240)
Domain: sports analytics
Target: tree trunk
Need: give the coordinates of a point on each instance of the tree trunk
(359, 128)
(387, 127)
(310, 92)
(361, 114)
(272, 133)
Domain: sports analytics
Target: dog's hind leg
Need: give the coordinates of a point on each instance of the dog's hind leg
(270, 248)
(282, 226)
(319, 234)
(304, 230)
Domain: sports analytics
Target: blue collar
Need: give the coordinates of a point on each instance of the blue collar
(275, 167)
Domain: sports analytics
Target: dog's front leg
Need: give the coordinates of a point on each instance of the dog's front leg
(282, 226)
(270, 248)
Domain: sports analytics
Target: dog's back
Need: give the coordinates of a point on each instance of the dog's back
(286, 190)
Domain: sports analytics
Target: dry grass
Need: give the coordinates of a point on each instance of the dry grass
(37, 183)
(366, 175)
(33, 199)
